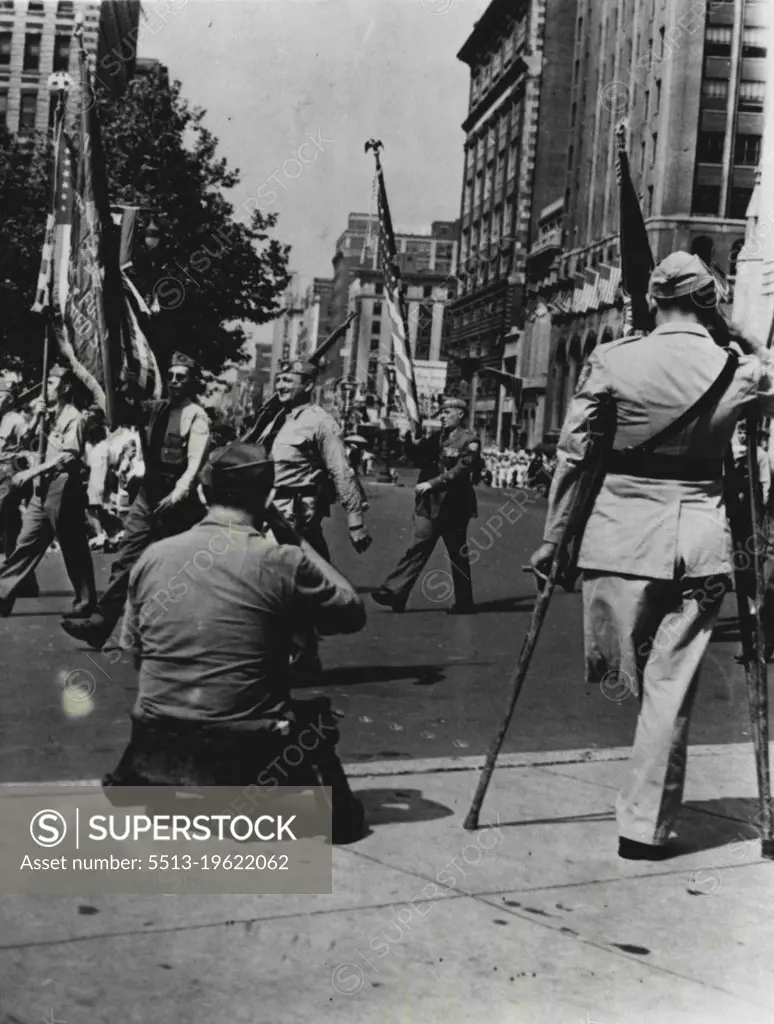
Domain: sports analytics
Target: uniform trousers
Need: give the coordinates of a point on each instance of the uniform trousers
(143, 526)
(59, 511)
(427, 533)
(646, 638)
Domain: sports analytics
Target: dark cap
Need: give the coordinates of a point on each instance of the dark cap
(305, 370)
(680, 274)
(181, 359)
(238, 468)
(454, 402)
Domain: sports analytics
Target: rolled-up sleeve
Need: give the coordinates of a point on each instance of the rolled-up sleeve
(585, 423)
(334, 456)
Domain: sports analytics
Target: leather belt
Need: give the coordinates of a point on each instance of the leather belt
(664, 467)
(305, 491)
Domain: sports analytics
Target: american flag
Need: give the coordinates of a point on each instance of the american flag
(590, 299)
(101, 321)
(388, 257)
(609, 280)
(577, 295)
(55, 254)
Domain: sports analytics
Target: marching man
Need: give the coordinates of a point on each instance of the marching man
(656, 551)
(445, 503)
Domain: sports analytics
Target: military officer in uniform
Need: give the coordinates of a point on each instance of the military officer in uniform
(449, 462)
(177, 433)
(656, 551)
(58, 506)
(310, 461)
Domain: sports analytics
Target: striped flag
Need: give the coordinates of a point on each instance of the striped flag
(590, 298)
(404, 365)
(577, 295)
(55, 253)
(609, 280)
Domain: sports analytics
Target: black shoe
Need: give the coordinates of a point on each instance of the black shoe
(94, 631)
(461, 609)
(630, 849)
(388, 599)
(6, 607)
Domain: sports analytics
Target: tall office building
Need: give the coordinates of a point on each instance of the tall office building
(519, 54)
(36, 40)
(428, 264)
(687, 80)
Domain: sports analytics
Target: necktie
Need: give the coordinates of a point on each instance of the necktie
(271, 436)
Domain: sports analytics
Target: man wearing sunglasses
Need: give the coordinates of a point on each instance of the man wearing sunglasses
(176, 434)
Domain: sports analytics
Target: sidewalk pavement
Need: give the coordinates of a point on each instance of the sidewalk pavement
(534, 920)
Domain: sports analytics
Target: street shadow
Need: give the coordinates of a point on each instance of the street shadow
(522, 603)
(357, 675)
(726, 631)
(399, 806)
(709, 824)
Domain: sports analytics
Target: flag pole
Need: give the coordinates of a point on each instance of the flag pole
(58, 85)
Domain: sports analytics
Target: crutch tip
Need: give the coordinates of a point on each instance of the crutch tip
(471, 823)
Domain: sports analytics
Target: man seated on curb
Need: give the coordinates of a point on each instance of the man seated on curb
(210, 617)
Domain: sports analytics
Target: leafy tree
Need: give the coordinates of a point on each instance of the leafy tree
(25, 195)
(213, 266)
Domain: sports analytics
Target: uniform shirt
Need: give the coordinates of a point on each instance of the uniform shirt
(447, 461)
(211, 612)
(66, 434)
(649, 528)
(308, 452)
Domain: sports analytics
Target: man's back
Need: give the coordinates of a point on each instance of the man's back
(211, 612)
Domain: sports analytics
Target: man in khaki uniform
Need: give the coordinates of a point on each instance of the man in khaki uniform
(656, 552)
(310, 461)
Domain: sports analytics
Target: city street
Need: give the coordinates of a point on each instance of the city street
(416, 685)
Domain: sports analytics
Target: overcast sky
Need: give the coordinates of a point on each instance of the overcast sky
(273, 73)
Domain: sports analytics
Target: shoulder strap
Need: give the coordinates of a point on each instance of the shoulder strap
(710, 397)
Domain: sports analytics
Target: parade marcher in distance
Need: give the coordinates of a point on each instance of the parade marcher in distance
(656, 552)
(310, 461)
(449, 461)
(177, 433)
(57, 509)
(214, 706)
(15, 436)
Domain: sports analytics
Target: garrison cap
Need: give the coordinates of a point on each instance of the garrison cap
(680, 274)
(238, 467)
(181, 359)
(305, 370)
(454, 402)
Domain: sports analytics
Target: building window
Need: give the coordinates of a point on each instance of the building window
(5, 48)
(709, 148)
(376, 327)
(654, 149)
(32, 51)
(29, 105)
(751, 96)
(647, 104)
(650, 200)
(427, 291)
(706, 199)
(754, 42)
(703, 247)
(642, 157)
(35, 7)
(717, 41)
(738, 202)
(3, 107)
(379, 288)
(377, 309)
(714, 93)
(747, 151)
(65, 9)
(61, 53)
